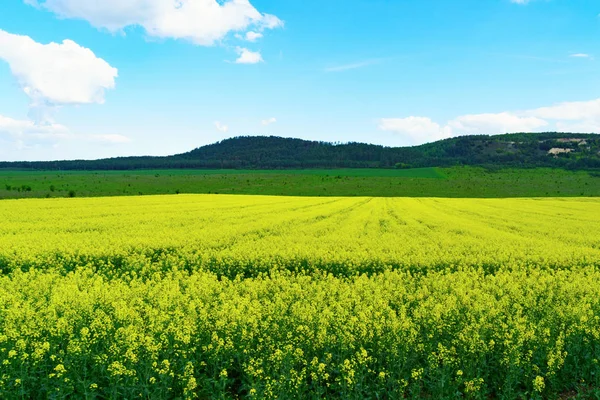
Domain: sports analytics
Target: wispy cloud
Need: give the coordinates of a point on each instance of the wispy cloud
(542, 59)
(581, 55)
(221, 127)
(356, 65)
(250, 36)
(267, 122)
(28, 133)
(529, 57)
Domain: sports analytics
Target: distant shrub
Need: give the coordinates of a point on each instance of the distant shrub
(402, 166)
(72, 193)
(52, 188)
(8, 187)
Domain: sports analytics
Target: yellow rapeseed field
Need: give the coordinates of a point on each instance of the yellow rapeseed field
(232, 235)
(201, 296)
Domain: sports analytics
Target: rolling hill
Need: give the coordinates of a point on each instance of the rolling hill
(527, 150)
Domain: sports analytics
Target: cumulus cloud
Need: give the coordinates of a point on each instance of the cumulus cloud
(220, 127)
(53, 74)
(267, 122)
(248, 57)
(202, 22)
(576, 116)
(252, 36)
(415, 129)
(56, 73)
(27, 133)
(582, 116)
(589, 126)
(495, 123)
(571, 111)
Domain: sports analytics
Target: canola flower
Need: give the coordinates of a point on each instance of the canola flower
(266, 297)
(250, 235)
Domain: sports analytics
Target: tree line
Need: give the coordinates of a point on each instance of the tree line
(582, 151)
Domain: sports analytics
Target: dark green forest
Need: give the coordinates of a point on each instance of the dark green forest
(521, 150)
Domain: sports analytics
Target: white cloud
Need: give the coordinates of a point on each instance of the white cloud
(56, 73)
(580, 55)
(22, 130)
(252, 36)
(520, 1)
(269, 21)
(571, 111)
(220, 127)
(108, 138)
(269, 121)
(495, 123)
(416, 129)
(579, 117)
(590, 126)
(53, 74)
(347, 67)
(202, 22)
(27, 133)
(248, 57)
(576, 116)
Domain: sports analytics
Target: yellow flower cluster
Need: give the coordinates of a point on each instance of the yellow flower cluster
(259, 297)
(250, 235)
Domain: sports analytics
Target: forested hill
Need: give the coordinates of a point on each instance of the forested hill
(565, 150)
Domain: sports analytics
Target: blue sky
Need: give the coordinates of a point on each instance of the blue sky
(143, 77)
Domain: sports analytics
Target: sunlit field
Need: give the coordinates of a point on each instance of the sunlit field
(203, 296)
(248, 235)
(455, 182)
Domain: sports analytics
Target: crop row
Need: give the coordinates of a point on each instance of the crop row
(239, 235)
(393, 335)
(266, 297)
